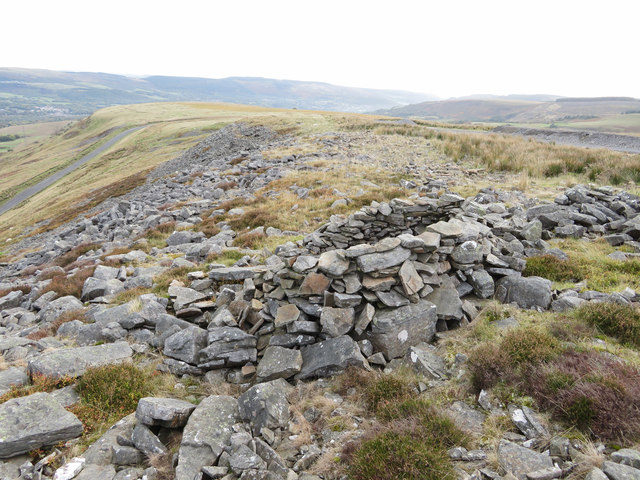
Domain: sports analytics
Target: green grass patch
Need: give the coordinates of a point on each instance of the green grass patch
(228, 257)
(556, 270)
(614, 319)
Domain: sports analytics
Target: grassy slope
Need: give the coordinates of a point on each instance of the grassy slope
(121, 167)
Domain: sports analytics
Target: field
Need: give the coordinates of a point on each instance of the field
(628, 124)
(28, 134)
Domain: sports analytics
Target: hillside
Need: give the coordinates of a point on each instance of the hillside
(28, 95)
(243, 293)
(611, 114)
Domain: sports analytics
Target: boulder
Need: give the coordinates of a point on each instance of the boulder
(330, 357)
(627, 456)
(394, 331)
(266, 405)
(616, 471)
(57, 307)
(228, 274)
(482, 283)
(13, 376)
(447, 302)
(228, 347)
(146, 441)
(31, 422)
(468, 252)
(95, 287)
(11, 300)
(337, 321)
(527, 292)
(166, 412)
(279, 362)
(73, 362)
(206, 434)
(186, 344)
(520, 460)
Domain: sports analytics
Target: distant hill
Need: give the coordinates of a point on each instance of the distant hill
(29, 95)
(518, 109)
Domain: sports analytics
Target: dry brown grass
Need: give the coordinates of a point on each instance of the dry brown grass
(69, 285)
(51, 329)
(73, 254)
(26, 289)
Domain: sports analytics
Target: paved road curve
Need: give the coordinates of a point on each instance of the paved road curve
(47, 182)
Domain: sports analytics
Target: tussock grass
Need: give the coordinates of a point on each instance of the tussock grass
(73, 254)
(162, 281)
(26, 289)
(587, 261)
(409, 440)
(614, 319)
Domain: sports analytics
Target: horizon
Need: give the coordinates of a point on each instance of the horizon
(575, 49)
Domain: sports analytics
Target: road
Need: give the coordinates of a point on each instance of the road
(47, 182)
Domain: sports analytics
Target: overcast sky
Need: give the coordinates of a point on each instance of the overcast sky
(445, 47)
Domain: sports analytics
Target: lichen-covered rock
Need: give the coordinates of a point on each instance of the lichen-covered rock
(166, 412)
(31, 422)
(266, 405)
(527, 292)
(394, 331)
(330, 357)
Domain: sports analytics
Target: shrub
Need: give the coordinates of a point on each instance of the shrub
(488, 364)
(618, 320)
(553, 268)
(413, 445)
(73, 254)
(529, 345)
(249, 239)
(596, 393)
(553, 170)
(26, 289)
(114, 389)
(71, 285)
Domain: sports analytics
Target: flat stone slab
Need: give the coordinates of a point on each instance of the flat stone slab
(206, 434)
(232, 273)
(73, 362)
(167, 412)
(520, 460)
(34, 421)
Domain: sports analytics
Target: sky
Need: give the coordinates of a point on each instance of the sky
(446, 47)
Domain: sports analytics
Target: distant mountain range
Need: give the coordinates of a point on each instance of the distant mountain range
(29, 95)
(517, 108)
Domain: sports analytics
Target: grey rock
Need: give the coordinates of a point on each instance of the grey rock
(616, 471)
(467, 253)
(101, 451)
(34, 421)
(122, 455)
(74, 362)
(565, 303)
(394, 331)
(446, 229)
(548, 473)
(482, 283)
(266, 405)
(468, 419)
(228, 346)
(527, 292)
(13, 376)
(447, 302)
(11, 300)
(97, 472)
(334, 263)
(232, 273)
(520, 460)
(330, 357)
(410, 280)
(243, 458)
(95, 287)
(104, 272)
(304, 263)
(596, 474)
(532, 231)
(186, 344)
(183, 297)
(146, 441)
(337, 321)
(426, 362)
(379, 261)
(279, 362)
(345, 300)
(365, 317)
(392, 299)
(57, 307)
(166, 412)
(286, 314)
(206, 434)
(627, 456)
